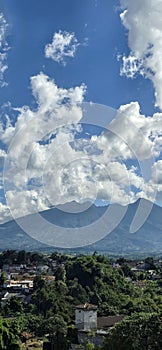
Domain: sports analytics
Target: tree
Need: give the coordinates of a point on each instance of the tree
(8, 336)
(127, 271)
(138, 332)
(60, 273)
(15, 305)
(89, 346)
(3, 278)
(22, 257)
(150, 263)
(57, 328)
(38, 283)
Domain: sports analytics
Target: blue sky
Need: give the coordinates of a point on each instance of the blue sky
(31, 27)
(113, 58)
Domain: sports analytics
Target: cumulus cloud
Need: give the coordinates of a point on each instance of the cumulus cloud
(157, 173)
(44, 135)
(143, 20)
(64, 45)
(129, 129)
(3, 49)
(5, 214)
(50, 161)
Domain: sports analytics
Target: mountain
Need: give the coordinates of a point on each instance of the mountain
(94, 225)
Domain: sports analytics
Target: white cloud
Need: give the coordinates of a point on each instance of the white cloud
(3, 49)
(64, 45)
(131, 66)
(157, 173)
(143, 20)
(5, 214)
(129, 130)
(47, 165)
(27, 160)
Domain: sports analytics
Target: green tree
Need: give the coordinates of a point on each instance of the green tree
(57, 328)
(38, 283)
(138, 332)
(3, 278)
(9, 339)
(150, 263)
(60, 273)
(89, 346)
(15, 305)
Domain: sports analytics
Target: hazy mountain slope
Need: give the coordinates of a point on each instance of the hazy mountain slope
(147, 239)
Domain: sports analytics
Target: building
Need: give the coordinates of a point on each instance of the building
(91, 328)
(86, 317)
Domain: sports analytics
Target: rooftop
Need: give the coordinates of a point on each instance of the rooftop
(109, 321)
(86, 306)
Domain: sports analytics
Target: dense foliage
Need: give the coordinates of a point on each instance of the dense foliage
(138, 332)
(9, 335)
(85, 279)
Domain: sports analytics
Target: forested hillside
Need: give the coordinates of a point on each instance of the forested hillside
(85, 279)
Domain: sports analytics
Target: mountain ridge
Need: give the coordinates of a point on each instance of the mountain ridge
(120, 241)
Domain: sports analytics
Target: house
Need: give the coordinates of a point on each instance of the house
(42, 268)
(18, 285)
(86, 317)
(48, 279)
(91, 328)
(8, 296)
